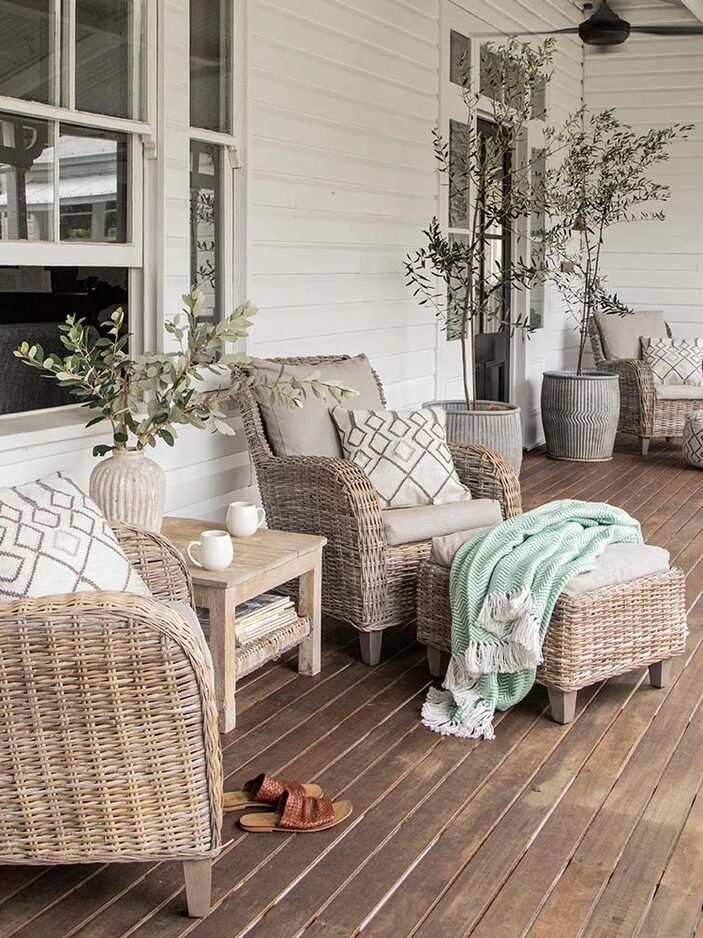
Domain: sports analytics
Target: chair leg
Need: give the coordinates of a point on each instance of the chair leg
(437, 661)
(371, 646)
(563, 704)
(660, 673)
(644, 442)
(198, 877)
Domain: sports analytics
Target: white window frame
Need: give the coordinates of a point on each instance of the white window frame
(141, 137)
(231, 227)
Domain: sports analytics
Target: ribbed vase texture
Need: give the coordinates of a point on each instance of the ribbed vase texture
(580, 415)
(491, 424)
(131, 488)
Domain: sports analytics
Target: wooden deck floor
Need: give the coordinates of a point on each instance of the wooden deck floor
(592, 829)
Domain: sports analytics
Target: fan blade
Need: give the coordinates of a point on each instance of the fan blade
(692, 30)
(571, 31)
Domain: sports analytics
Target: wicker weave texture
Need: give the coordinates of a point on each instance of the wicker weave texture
(109, 748)
(364, 581)
(253, 655)
(641, 412)
(590, 637)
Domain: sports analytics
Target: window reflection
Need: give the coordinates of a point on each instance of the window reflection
(92, 185)
(210, 68)
(205, 221)
(108, 52)
(26, 179)
(26, 37)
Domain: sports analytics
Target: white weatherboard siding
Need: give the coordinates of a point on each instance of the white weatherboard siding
(652, 82)
(343, 100)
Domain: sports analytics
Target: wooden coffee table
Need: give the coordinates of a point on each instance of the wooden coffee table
(262, 562)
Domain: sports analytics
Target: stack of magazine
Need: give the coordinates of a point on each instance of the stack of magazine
(258, 617)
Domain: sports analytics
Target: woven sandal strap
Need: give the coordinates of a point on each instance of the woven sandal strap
(299, 812)
(268, 790)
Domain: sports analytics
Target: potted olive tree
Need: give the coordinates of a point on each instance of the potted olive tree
(601, 179)
(146, 398)
(491, 189)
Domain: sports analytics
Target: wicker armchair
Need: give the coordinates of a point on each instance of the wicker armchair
(365, 581)
(642, 413)
(109, 749)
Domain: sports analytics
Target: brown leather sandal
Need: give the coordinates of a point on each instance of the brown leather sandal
(265, 790)
(296, 811)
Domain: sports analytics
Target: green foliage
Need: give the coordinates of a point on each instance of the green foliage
(146, 397)
(602, 179)
(489, 190)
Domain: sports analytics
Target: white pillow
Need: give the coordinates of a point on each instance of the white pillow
(55, 540)
(674, 361)
(403, 453)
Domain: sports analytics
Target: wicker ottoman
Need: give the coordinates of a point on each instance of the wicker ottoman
(693, 439)
(591, 637)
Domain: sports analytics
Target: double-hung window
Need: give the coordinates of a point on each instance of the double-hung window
(74, 111)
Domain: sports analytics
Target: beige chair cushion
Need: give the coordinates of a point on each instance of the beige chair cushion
(678, 392)
(619, 563)
(407, 525)
(621, 334)
(309, 430)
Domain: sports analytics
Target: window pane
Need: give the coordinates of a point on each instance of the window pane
(33, 301)
(93, 188)
(205, 222)
(210, 65)
(458, 175)
(26, 179)
(108, 60)
(456, 293)
(26, 65)
(459, 58)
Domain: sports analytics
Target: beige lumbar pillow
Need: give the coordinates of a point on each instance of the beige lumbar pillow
(674, 361)
(403, 453)
(309, 430)
(55, 540)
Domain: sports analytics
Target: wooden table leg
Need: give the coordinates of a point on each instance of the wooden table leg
(310, 605)
(222, 647)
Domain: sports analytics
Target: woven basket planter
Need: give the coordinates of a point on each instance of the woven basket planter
(580, 414)
(488, 423)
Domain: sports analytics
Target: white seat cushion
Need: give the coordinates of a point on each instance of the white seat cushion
(619, 563)
(420, 523)
(678, 392)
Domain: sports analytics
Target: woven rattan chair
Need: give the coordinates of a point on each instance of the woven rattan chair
(109, 749)
(642, 413)
(365, 581)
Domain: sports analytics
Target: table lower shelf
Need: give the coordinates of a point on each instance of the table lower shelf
(254, 654)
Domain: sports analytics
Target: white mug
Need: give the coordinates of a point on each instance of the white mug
(216, 551)
(244, 519)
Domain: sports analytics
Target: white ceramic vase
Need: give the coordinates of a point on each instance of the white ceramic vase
(131, 488)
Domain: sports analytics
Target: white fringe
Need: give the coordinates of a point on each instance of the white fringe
(500, 610)
(472, 720)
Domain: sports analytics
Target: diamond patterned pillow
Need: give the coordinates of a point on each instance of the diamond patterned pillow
(54, 539)
(674, 361)
(403, 453)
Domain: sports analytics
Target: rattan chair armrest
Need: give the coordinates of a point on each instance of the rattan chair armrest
(631, 371)
(487, 474)
(637, 394)
(161, 566)
(333, 497)
(130, 669)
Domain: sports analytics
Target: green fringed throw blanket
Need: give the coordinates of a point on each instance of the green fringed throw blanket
(504, 585)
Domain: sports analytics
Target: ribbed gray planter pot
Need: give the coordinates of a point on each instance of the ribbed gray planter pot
(488, 423)
(580, 414)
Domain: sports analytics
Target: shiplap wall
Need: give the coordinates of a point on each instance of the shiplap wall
(653, 82)
(343, 101)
